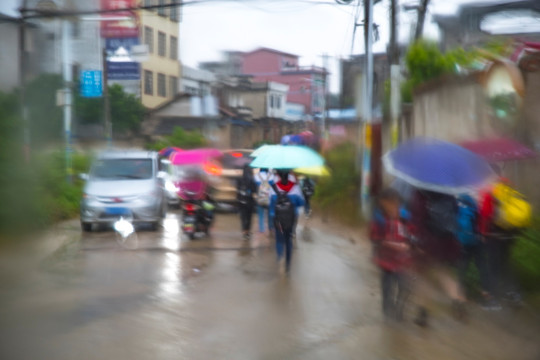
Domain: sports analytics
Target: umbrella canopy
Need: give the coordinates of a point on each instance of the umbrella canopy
(438, 166)
(313, 171)
(499, 149)
(287, 157)
(166, 152)
(196, 156)
(258, 151)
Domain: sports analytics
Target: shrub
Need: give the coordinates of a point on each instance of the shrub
(526, 255)
(337, 195)
(180, 138)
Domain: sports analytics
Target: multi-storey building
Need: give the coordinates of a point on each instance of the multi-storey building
(160, 74)
(306, 84)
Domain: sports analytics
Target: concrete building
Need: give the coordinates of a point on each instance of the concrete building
(155, 80)
(476, 23)
(197, 82)
(306, 84)
(159, 30)
(352, 72)
(10, 64)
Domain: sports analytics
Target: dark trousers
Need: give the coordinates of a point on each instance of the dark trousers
(284, 244)
(395, 286)
(477, 254)
(307, 206)
(246, 213)
(498, 252)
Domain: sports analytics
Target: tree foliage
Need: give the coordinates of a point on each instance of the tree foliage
(44, 116)
(127, 111)
(180, 138)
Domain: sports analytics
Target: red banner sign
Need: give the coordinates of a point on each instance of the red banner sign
(122, 23)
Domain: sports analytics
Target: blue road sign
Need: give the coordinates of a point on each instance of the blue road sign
(91, 83)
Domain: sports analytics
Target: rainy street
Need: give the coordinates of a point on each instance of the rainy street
(166, 297)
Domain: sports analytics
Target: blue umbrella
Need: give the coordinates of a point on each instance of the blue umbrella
(438, 166)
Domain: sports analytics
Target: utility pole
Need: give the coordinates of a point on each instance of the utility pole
(422, 9)
(22, 82)
(106, 102)
(325, 94)
(365, 181)
(395, 76)
(67, 96)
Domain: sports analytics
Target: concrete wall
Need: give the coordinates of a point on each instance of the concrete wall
(452, 109)
(457, 110)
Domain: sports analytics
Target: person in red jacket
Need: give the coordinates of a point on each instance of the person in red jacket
(389, 234)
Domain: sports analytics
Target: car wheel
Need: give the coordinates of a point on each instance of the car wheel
(86, 227)
(191, 236)
(154, 225)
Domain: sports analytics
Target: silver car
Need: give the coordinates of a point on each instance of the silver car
(123, 184)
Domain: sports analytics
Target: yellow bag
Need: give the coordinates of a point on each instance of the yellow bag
(513, 210)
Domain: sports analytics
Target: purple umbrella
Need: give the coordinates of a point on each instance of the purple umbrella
(438, 166)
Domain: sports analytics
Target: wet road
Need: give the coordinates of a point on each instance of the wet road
(165, 297)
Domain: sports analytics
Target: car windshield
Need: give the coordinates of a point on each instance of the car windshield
(121, 169)
(187, 173)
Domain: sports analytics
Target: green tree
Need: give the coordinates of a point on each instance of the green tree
(127, 111)
(45, 118)
(180, 138)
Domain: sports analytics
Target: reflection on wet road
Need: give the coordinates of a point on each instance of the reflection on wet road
(222, 298)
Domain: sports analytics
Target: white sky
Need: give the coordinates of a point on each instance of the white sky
(307, 28)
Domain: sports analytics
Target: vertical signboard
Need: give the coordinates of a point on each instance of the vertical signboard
(122, 24)
(120, 65)
(91, 83)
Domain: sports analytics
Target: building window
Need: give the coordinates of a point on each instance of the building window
(149, 38)
(148, 82)
(148, 3)
(174, 48)
(271, 101)
(174, 11)
(278, 101)
(161, 85)
(173, 85)
(162, 45)
(161, 9)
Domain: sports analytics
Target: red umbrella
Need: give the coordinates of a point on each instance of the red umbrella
(499, 149)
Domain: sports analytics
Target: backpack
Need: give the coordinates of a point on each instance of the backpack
(467, 220)
(263, 193)
(513, 211)
(285, 212)
(307, 188)
(441, 214)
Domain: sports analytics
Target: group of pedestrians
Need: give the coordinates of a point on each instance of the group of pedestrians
(277, 197)
(433, 237)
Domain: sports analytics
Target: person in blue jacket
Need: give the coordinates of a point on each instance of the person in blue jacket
(285, 219)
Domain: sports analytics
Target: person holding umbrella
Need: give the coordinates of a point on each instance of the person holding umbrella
(284, 204)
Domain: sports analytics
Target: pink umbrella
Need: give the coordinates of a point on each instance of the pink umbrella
(499, 149)
(196, 156)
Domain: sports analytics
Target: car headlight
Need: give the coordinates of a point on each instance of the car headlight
(170, 187)
(88, 197)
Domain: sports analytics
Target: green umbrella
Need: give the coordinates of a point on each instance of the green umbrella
(287, 157)
(258, 151)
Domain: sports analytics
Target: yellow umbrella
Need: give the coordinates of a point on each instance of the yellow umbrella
(313, 171)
